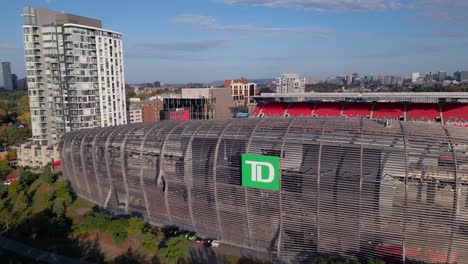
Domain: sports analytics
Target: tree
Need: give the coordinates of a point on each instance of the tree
(12, 155)
(14, 189)
(23, 104)
(150, 241)
(48, 176)
(59, 208)
(63, 192)
(4, 169)
(3, 190)
(26, 177)
(130, 94)
(135, 226)
(118, 231)
(176, 248)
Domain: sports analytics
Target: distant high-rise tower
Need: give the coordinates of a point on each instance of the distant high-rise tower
(7, 78)
(415, 76)
(290, 83)
(441, 75)
(75, 73)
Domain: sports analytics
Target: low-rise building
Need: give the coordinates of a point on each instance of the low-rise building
(35, 156)
(134, 111)
(242, 88)
(204, 103)
(151, 109)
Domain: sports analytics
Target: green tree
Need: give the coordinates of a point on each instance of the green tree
(118, 231)
(3, 191)
(4, 169)
(150, 241)
(135, 226)
(7, 218)
(176, 248)
(48, 176)
(62, 191)
(59, 208)
(93, 222)
(14, 189)
(26, 177)
(23, 104)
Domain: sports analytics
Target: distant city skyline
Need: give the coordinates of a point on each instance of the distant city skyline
(202, 41)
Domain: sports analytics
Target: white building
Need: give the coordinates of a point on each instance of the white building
(135, 114)
(242, 88)
(415, 76)
(75, 74)
(34, 156)
(290, 83)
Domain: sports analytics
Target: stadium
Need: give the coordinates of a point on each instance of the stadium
(433, 108)
(336, 186)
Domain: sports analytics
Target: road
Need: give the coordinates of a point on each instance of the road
(36, 254)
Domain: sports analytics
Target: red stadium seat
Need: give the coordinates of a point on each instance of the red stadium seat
(328, 109)
(275, 109)
(258, 108)
(455, 113)
(357, 109)
(427, 113)
(300, 109)
(388, 111)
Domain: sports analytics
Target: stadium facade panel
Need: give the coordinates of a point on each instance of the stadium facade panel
(348, 187)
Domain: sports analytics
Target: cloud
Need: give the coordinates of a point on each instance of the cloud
(325, 5)
(6, 46)
(209, 23)
(447, 11)
(181, 50)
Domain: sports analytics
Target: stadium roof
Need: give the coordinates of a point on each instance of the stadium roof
(411, 97)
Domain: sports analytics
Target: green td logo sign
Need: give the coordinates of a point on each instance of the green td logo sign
(259, 171)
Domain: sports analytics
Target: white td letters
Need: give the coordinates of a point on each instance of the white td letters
(256, 168)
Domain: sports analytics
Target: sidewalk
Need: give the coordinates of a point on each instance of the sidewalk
(36, 254)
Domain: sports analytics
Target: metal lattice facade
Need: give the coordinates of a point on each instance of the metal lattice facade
(349, 187)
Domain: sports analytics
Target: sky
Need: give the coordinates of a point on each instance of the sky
(182, 41)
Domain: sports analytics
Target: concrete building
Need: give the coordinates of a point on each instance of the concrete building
(75, 74)
(290, 83)
(7, 78)
(14, 80)
(35, 156)
(151, 110)
(242, 88)
(204, 103)
(441, 75)
(463, 76)
(134, 111)
(429, 77)
(415, 76)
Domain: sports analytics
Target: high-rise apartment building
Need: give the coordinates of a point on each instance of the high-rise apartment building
(290, 83)
(464, 76)
(7, 78)
(415, 76)
(441, 75)
(75, 73)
